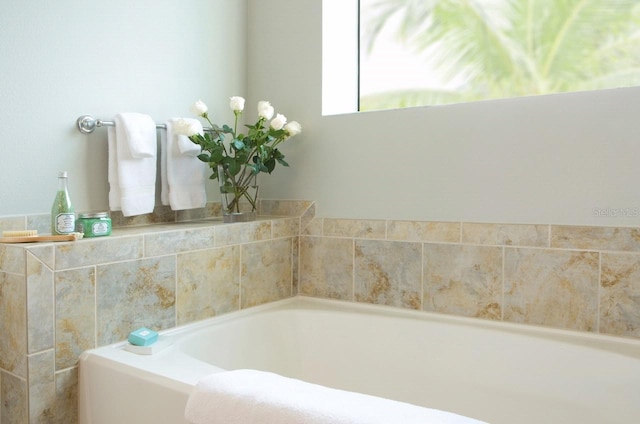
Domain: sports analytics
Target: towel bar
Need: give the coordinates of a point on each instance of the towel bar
(87, 124)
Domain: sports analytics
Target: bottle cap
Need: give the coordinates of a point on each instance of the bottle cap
(62, 174)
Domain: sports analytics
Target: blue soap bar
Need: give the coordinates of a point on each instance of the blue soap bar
(143, 337)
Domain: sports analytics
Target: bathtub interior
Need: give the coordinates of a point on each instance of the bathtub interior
(458, 365)
(490, 371)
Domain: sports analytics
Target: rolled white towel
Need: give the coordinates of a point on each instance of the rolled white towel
(258, 397)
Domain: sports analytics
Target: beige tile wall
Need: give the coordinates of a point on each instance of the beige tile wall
(570, 277)
(57, 300)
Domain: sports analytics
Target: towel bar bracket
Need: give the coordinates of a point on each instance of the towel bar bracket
(87, 124)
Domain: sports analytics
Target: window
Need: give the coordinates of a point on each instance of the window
(433, 52)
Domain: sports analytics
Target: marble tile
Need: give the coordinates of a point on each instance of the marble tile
(308, 215)
(208, 283)
(551, 287)
(282, 228)
(42, 388)
(313, 227)
(135, 294)
(182, 240)
(269, 207)
(596, 238)
(211, 210)
(191, 214)
(295, 257)
(44, 253)
(13, 324)
(388, 273)
(75, 314)
(506, 234)
(620, 294)
(159, 214)
(97, 250)
(423, 231)
(67, 396)
(13, 392)
(265, 272)
(326, 267)
(463, 280)
(40, 305)
(359, 228)
(12, 223)
(12, 258)
(245, 232)
(39, 222)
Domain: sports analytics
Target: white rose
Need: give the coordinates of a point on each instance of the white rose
(199, 108)
(265, 110)
(236, 103)
(186, 127)
(293, 128)
(193, 128)
(278, 122)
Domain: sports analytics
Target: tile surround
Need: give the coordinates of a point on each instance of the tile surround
(379, 280)
(59, 299)
(570, 277)
(162, 270)
(463, 280)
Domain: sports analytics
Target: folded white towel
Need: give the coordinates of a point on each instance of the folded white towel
(134, 163)
(183, 175)
(257, 397)
(114, 185)
(188, 147)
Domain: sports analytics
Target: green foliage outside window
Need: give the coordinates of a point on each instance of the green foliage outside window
(508, 48)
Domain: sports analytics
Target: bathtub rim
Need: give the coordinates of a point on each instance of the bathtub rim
(179, 372)
(624, 345)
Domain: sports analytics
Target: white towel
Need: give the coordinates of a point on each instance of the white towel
(183, 175)
(114, 184)
(257, 397)
(132, 164)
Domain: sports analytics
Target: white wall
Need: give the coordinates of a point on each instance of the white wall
(63, 59)
(550, 159)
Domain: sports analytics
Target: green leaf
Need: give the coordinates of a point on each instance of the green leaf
(234, 167)
(238, 144)
(270, 165)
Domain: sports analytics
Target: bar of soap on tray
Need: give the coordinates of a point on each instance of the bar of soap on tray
(143, 337)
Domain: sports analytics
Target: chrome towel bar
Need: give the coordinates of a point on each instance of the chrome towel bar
(87, 124)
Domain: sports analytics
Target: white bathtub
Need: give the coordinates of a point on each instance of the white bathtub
(495, 372)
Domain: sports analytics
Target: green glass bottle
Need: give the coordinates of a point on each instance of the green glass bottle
(63, 217)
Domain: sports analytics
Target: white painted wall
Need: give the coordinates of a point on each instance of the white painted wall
(550, 159)
(63, 59)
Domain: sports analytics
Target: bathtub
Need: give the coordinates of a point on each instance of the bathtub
(492, 371)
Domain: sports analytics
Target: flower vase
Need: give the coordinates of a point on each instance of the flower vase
(239, 194)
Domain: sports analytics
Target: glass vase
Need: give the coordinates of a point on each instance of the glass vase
(239, 194)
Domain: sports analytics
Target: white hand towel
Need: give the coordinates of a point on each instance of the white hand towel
(184, 174)
(257, 397)
(164, 184)
(136, 150)
(114, 185)
(188, 147)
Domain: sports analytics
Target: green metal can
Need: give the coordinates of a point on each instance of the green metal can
(94, 224)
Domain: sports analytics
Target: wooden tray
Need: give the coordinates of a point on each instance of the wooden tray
(31, 239)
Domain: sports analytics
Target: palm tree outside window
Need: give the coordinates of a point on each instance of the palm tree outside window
(434, 52)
